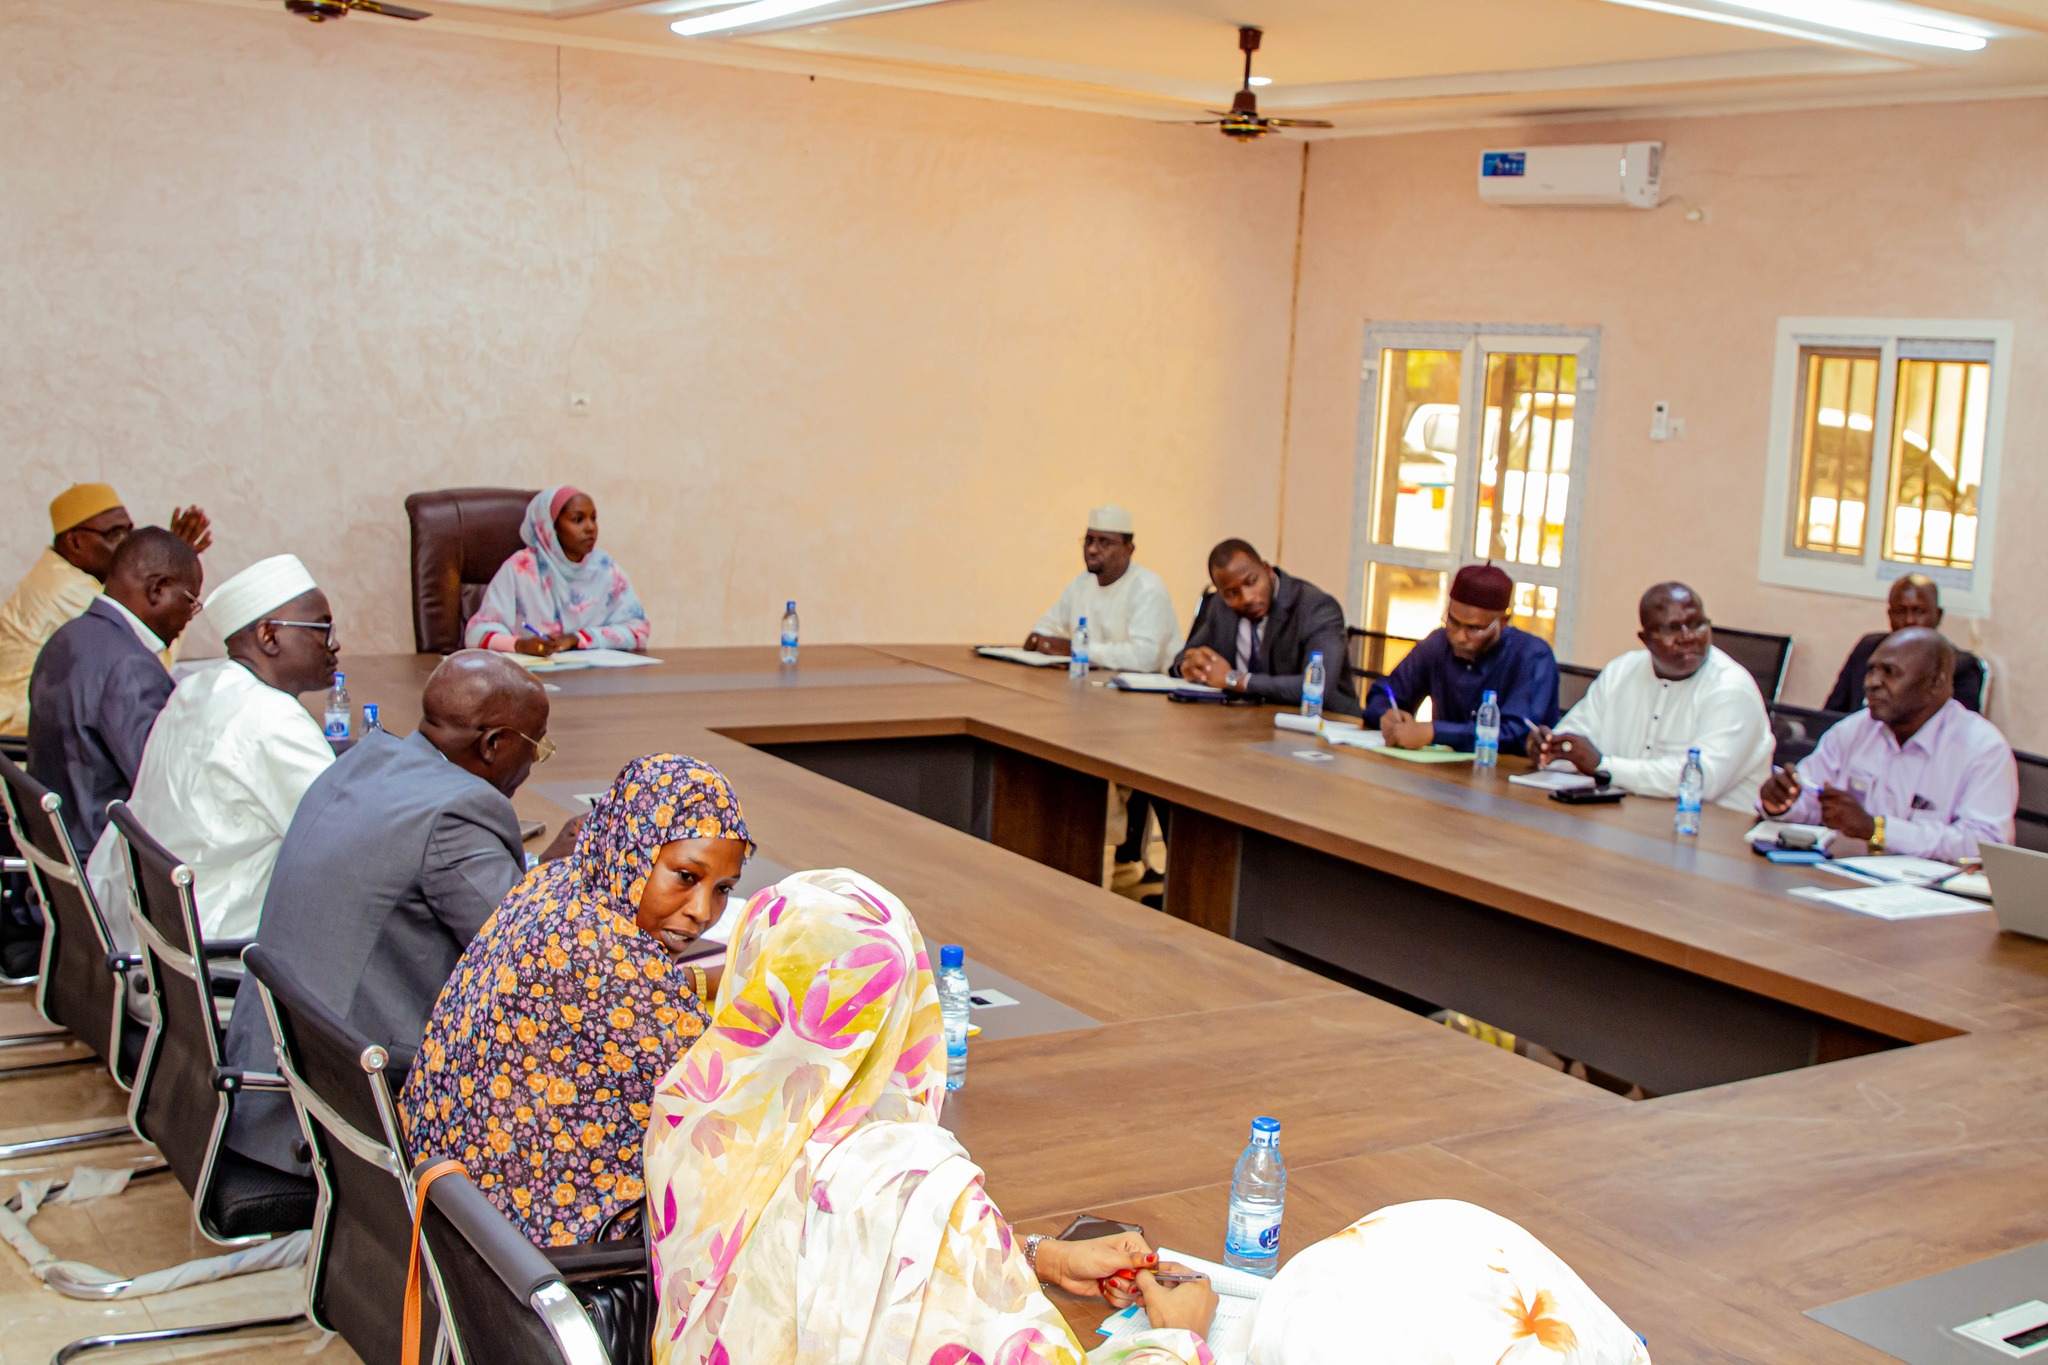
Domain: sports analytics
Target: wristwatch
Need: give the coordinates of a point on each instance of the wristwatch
(1877, 834)
(1233, 680)
(1031, 1251)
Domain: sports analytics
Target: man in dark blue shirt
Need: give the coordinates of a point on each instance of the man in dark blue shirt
(1476, 651)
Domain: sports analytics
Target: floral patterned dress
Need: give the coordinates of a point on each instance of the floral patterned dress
(541, 1056)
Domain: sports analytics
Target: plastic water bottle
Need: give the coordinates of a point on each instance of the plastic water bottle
(1692, 786)
(1258, 1198)
(1486, 731)
(1312, 687)
(370, 720)
(953, 1012)
(789, 635)
(1077, 653)
(337, 709)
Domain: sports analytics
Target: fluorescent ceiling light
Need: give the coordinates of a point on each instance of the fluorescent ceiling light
(1261, 80)
(1895, 23)
(760, 12)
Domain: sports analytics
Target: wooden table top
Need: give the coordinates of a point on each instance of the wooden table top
(1708, 1219)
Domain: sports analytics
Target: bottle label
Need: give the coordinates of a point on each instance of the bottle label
(337, 725)
(1254, 1233)
(956, 1036)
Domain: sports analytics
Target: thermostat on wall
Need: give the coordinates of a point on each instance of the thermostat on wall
(2017, 1332)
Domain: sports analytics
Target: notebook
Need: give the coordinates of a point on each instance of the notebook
(1237, 1292)
(1546, 779)
(1030, 658)
(1162, 682)
(570, 660)
(1899, 900)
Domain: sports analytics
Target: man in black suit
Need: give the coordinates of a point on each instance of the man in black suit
(99, 682)
(1914, 600)
(1254, 634)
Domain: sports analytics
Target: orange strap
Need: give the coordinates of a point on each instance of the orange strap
(412, 1269)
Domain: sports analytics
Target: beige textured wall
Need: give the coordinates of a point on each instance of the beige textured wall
(1914, 211)
(875, 350)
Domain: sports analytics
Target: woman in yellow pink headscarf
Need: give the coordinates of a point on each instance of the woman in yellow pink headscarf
(806, 1208)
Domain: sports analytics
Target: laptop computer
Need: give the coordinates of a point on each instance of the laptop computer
(2019, 888)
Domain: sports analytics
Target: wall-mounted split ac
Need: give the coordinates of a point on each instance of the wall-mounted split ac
(1620, 174)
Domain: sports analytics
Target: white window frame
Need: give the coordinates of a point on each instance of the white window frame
(1967, 592)
(1475, 341)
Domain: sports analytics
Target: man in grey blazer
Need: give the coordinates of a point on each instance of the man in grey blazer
(396, 857)
(100, 681)
(1253, 635)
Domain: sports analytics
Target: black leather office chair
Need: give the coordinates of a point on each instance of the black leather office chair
(343, 1088)
(20, 920)
(1573, 682)
(459, 538)
(2030, 825)
(183, 1093)
(1374, 653)
(506, 1303)
(1766, 656)
(79, 983)
(1797, 729)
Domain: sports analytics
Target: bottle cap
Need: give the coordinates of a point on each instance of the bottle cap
(952, 955)
(1692, 752)
(790, 607)
(1266, 1131)
(1315, 656)
(1489, 695)
(1084, 621)
(338, 676)
(369, 713)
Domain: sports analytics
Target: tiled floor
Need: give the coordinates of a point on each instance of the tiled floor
(146, 1227)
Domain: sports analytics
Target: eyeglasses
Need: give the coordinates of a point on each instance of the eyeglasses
(1675, 630)
(543, 748)
(325, 626)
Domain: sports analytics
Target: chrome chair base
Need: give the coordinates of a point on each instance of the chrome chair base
(95, 1138)
(212, 1329)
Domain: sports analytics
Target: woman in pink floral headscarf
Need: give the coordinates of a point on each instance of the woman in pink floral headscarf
(805, 1204)
(561, 591)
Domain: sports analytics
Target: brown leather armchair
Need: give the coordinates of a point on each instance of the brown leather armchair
(459, 538)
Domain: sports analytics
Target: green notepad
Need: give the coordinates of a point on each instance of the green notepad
(1435, 753)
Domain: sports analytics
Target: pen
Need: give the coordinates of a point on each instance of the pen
(527, 626)
(1162, 1276)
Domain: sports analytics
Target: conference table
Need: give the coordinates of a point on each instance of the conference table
(1840, 1103)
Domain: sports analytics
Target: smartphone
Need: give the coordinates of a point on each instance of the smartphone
(1088, 1226)
(1589, 796)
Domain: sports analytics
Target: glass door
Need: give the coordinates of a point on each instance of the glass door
(1468, 453)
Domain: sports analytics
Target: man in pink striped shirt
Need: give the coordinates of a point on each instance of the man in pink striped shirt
(1913, 772)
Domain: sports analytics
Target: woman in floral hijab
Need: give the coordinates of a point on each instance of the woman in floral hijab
(543, 1051)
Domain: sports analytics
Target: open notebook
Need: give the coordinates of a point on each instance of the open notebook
(1028, 658)
(1237, 1291)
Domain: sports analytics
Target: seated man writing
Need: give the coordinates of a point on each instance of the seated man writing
(1911, 773)
(1475, 652)
(1255, 633)
(1914, 600)
(1678, 692)
(396, 856)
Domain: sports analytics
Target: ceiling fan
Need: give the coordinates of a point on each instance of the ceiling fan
(1243, 122)
(320, 11)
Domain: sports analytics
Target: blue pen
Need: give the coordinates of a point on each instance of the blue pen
(527, 626)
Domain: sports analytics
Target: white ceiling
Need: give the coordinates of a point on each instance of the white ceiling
(1366, 65)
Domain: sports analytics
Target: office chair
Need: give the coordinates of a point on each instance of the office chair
(2030, 822)
(1797, 729)
(504, 1302)
(17, 900)
(183, 1093)
(343, 1089)
(460, 536)
(1766, 656)
(1573, 682)
(82, 976)
(1374, 653)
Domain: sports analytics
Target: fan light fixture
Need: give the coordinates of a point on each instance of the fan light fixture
(739, 16)
(1895, 23)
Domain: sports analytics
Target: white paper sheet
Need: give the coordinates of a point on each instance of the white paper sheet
(1766, 832)
(1237, 1291)
(1159, 682)
(1547, 780)
(569, 660)
(1891, 902)
(1353, 737)
(1881, 869)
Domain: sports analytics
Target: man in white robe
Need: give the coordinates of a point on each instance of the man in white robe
(1652, 704)
(1132, 627)
(233, 751)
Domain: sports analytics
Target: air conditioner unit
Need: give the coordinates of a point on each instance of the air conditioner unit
(1624, 174)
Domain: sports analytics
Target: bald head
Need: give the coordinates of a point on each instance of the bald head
(1675, 630)
(487, 714)
(1910, 677)
(157, 576)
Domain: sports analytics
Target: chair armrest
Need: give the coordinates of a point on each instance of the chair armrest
(231, 947)
(233, 1078)
(513, 1259)
(598, 1260)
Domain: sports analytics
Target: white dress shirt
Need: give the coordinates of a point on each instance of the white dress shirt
(143, 633)
(1643, 724)
(221, 776)
(1131, 623)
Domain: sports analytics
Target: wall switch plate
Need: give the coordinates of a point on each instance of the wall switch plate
(1660, 421)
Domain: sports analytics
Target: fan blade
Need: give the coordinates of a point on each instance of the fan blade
(1300, 123)
(388, 11)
